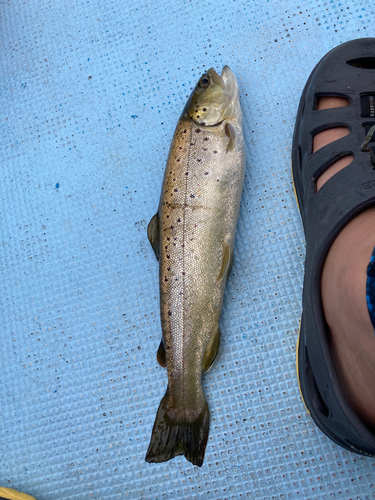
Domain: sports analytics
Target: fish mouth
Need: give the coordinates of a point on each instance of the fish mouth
(225, 79)
(229, 80)
(226, 73)
(217, 79)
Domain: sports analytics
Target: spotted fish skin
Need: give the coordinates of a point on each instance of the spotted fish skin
(194, 233)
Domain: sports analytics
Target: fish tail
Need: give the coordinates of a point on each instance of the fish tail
(175, 435)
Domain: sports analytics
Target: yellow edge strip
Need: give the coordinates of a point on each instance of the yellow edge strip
(299, 331)
(14, 495)
(294, 187)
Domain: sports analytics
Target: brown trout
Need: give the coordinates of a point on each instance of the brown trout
(192, 235)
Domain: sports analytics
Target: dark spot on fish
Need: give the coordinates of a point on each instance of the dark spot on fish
(206, 139)
(178, 159)
(192, 144)
(168, 236)
(167, 216)
(204, 109)
(175, 238)
(166, 247)
(195, 225)
(215, 151)
(183, 273)
(186, 173)
(170, 313)
(185, 131)
(204, 149)
(197, 116)
(170, 172)
(172, 227)
(175, 190)
(178, 220)
(165, 279)
(198, 130)
(180, 147)
(182, 246)
(198, 159)
(168, 346)
(168, 268)
(206, 173)
(192, 196)
(168, 256)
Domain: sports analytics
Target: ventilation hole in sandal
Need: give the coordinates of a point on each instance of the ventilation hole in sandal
(323, 138)
(333, 169)
(363, 62)
(330, 101)
(327, 136)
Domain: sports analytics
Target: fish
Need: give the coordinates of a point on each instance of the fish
(192, 235)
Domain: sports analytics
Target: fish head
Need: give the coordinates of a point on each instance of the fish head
(214, 99)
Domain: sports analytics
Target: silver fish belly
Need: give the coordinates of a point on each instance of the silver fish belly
(193, 237)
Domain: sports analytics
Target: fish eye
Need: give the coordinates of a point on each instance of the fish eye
(204, 82)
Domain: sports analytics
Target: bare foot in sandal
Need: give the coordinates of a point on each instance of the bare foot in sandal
(334, 179)
(343, 288)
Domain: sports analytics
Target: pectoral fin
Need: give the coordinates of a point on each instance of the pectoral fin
(227, 262)
(153, 234)
(231, 133)
(161, 355)
(212, 350)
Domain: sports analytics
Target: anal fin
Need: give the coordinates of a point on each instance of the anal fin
(212, 350)
(153, 234)
(160, 356)
(227, 261)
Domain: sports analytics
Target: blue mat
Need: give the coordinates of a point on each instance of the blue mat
(91, 94)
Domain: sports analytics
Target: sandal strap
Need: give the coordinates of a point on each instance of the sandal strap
(317, 163)
(323, 119)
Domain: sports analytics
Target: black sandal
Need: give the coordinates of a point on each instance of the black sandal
(347, 71)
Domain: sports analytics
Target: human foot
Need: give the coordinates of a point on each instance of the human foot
(343, 288)
(335, 212)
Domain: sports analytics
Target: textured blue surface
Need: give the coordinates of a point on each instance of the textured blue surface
(90, 95)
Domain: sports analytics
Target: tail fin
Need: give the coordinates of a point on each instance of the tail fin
(173, 436)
